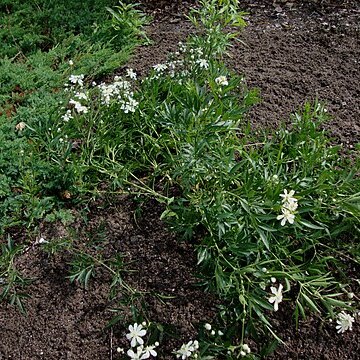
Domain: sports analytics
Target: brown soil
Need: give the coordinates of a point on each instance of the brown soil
(293, 52)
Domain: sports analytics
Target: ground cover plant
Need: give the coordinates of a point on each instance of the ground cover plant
(39, 54)
(266, 212)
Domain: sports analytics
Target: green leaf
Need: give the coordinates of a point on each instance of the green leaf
(263, 238)
(301, 308)
(220, 279)
(335, 302)
(261, 316)
(242, 300)
(87, 277)
(245, 205)
(203, 254)
(310, 303)
(312, 226)
(270, 348)
(267, 228)
(264, 304)
(167, 213)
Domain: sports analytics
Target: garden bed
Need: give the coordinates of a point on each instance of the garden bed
(292, 52)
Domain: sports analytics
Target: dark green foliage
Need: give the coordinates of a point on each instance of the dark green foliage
(31, 25)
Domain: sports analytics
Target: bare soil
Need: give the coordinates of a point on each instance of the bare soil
(293, 52)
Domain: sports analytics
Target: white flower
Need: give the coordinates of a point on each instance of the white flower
(131, 74)
(242, 353)
(160, 67)
(246, 348)
(20, 126)
(182, 46)
(77, 79)
(78, 107)
(67, 116)
(203, 63)
(344, 322)
(149, 351)
(138, 355)
(135, 334)
(199, 51)
(71, 63)
(275, 179)
(273, 279)
(186, 350)
(42, 241)
(129, 105)
(288, 197)
(81, 95)
(286, 215)
(277, 298)
(81, 109)
(222, 81)
(291, 206)
(207, 326)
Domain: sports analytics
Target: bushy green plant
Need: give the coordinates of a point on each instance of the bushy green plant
(13, 283)
(129, 20)
(269, 208)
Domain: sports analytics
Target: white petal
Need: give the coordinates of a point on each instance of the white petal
(131, 353)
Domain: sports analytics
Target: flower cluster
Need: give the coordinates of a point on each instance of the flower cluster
(138, 351)
(289, 206)
(120, 91)
(79, 108)
(169, 67)
(181, 63)
(208, 327)
(245, 350)
(76, 82)
(187, 350)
